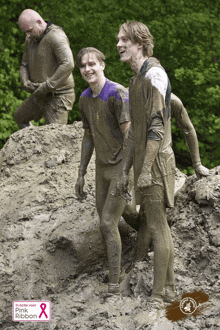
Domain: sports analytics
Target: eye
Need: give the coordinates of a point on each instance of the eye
(30, 30)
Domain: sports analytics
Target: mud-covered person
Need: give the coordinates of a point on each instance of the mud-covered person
(179, 113)
(153, 157)
(45, 72)
(104, 108)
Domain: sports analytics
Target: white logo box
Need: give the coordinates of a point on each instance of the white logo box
(31, 311)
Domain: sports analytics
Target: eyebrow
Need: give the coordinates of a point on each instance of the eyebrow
(123, 36)
(89, 62)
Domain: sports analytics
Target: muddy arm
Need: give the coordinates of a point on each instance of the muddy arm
(86, 154)
(184, 122)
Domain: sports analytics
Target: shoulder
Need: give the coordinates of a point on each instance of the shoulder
(175, 99)
(55, 34)
(158, 78)
(86, 93)
(114, 89)
(156, 73)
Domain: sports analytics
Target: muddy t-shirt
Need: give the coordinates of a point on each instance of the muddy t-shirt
(149, 94)
(103, 115)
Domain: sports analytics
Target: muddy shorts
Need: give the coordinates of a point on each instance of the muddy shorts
(52, 107)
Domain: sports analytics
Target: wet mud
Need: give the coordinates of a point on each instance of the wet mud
(51, 247)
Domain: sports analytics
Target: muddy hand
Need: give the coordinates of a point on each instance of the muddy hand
(201, 171)
(41, 90)
(79, 187)
(144, 181)
(29, 86)
(122, 184)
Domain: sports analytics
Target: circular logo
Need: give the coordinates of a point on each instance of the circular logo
(188, 305)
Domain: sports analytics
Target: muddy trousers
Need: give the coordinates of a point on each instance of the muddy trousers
(110, 208)
(154, 228)
(53, 108)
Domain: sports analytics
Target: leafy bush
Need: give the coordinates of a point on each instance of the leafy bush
(186, 35)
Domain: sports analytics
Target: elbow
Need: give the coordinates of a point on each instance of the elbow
(69, 62)
(67, 65)
(189, 130)
(70, 65)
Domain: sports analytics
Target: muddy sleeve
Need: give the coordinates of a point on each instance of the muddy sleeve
(157, 84)
(64, 56)
(131, 130)
(24, 74)
(121, 105)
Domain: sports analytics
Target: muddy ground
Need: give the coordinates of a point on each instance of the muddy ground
(51, 247)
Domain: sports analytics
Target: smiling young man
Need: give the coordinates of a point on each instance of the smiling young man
(105, 115)
(153, 161)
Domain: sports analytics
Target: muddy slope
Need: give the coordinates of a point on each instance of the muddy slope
(51, 247)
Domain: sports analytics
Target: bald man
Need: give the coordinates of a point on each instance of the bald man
(45, 72)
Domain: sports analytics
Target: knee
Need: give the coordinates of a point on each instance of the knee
(162, 247)
(107, 227)
(18, 118)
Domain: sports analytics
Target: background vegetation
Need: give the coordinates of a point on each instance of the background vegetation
(187, 42)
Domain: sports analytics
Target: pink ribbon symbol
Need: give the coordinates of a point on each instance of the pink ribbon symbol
(43, 307)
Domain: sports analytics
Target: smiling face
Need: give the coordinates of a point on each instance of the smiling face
(91, 69)
(128, 50)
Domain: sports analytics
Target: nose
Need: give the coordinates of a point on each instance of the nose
(119, 43)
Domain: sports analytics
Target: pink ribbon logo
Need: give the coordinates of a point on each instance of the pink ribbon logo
(43, 307)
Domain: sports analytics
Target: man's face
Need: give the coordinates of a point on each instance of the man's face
(91, 68)
(33, 30)
(128, 50)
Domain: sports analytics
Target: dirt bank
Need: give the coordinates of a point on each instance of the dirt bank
(51, 247)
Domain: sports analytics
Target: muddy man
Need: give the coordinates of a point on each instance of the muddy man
(150, 142)
(104, 108)
(45, 72)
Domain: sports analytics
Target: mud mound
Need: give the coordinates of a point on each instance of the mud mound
(52, 249)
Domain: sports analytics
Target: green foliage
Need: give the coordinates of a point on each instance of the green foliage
(186, 35)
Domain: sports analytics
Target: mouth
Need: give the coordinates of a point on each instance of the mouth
(121, 52)
(89, 75)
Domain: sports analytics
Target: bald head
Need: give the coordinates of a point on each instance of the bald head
(31, 23)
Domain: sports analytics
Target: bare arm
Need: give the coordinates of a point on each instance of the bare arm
(86, 154)
(184, 122)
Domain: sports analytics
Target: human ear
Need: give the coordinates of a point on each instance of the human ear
(103, 65)
(39, 22)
